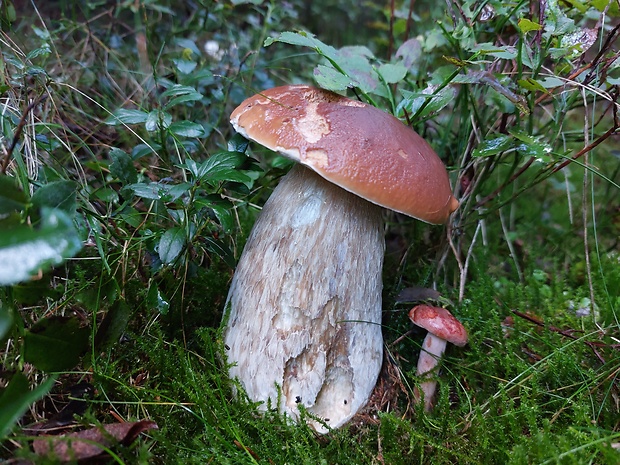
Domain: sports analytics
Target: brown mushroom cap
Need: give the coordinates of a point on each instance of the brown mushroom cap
(440, 322)
(354, 145)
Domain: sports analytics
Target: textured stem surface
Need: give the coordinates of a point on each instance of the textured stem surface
(305, 301)
(433, 348)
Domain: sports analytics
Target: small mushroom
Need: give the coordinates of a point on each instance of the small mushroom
(442, 328)
(303, 321)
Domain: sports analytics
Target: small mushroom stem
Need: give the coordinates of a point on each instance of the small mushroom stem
(433, 348)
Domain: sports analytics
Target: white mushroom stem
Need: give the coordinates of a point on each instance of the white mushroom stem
(305, 301)
(433, 348)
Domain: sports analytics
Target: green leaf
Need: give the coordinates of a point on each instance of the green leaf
(159, 190)
(526, 25)
(222, 209)
(17, 397)
(238, 143)
(221, 166)
(123, 116)
(427, 102)
(493, 146)
(181, 94)
(304, 39)
(184, 66)
(24, 251)
(531, 85)
(12, 198)
(122, 166)
(221, 249)
(409, 52)
(392, 73)
(532, 146)
(112, 326)
(187, 129)
(507, 52)
(330, 78)
(6, 320)
(44, 50)
(56, 343)
(171, 245)
(57, 194)
(157, 120)
(155, 299)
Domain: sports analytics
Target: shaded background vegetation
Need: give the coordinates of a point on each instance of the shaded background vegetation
(117, 154)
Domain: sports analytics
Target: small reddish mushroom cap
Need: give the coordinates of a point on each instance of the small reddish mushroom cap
(440, 322)
(354, 145)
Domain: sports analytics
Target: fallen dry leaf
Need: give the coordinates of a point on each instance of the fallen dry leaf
(91, 443)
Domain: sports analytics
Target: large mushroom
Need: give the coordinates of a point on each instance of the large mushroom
(304, 307)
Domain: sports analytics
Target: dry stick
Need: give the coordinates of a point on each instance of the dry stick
(579, 154)
(584, 205)
(592, 64)
(586, 149)
(494, 194)
(409, 19)
(392, 14)
(569, 333)
(463, 266)
(18, 132)
(511, 248)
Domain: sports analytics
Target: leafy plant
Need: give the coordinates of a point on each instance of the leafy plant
(122, 180)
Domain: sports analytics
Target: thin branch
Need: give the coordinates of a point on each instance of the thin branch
(18, 132)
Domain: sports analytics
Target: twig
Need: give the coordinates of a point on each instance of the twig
(18, 131)
(587, 148)
(511, 248)
(569, 333)
(494, 194)
(584, 205)
(409, 19)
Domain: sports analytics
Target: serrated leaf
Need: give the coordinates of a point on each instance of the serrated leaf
(329, 78)
(123, 116)
(17, 397)
(24, 251)
(12, 198)
(187, 129)
(122, 166)
(55, 343)
(171, 245)
(303, 39)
